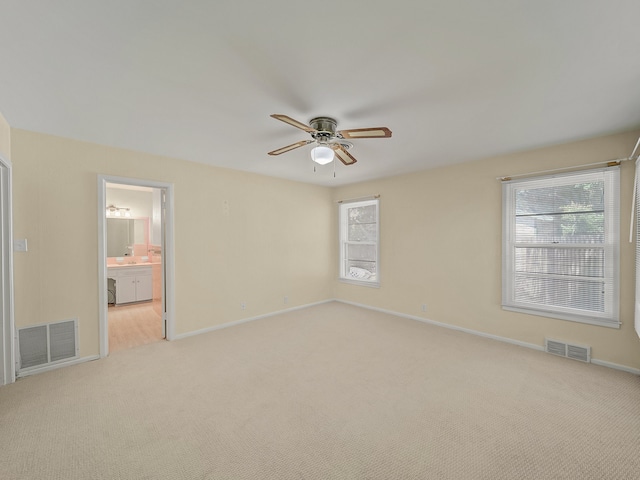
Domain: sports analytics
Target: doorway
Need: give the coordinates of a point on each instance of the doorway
(136, 262)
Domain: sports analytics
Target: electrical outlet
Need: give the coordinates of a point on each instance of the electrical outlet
(243, 306)
(286, 299)
(424, 307)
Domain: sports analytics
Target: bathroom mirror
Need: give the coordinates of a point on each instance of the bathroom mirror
(123, 234)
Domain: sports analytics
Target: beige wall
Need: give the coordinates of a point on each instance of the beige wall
(440, 241)
(5, 138)
(273, 243)
(441, 246)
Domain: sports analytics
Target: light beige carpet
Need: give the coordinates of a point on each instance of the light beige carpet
(328, 392)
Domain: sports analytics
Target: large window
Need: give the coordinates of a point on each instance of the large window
(560, 246)
(359, 258)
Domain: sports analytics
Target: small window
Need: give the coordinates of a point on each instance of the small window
(561, 246)
(359, 233)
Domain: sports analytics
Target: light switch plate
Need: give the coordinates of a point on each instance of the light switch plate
(20, 245)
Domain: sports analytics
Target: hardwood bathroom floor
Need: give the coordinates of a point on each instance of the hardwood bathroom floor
(133, 325)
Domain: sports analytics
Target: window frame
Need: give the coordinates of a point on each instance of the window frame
(637, 228)
(344, 242)
(610, 247)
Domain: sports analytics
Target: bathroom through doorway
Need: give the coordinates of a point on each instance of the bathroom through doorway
(135, 227)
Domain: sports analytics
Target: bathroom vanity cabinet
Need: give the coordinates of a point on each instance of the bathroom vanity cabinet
(133, 283)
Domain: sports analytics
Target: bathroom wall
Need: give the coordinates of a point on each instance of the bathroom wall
(140, 201)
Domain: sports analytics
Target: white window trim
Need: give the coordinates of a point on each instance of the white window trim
(610, 318)
(637, 227)
(7, 320)
(342, 229)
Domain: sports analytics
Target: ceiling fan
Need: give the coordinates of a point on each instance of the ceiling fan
(329, 141)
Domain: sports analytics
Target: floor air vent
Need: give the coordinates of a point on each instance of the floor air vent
(49, 343)
(569, 350)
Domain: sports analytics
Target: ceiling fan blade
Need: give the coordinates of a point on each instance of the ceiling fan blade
(344, 156)
(379, 132)
(293, 122)
(290, 147)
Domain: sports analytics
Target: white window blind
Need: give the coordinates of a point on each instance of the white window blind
(359, 233)
(561, 246)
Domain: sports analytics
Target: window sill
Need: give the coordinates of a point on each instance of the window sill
(564, 316)
(360, 283)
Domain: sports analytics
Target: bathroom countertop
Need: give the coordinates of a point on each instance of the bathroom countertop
(138, 264)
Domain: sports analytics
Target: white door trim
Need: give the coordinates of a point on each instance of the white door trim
(7, 330)
(169, 252)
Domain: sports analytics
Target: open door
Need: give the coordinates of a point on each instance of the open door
(163, 235)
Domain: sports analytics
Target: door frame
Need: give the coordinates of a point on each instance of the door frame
(168, 254)
(7, 321)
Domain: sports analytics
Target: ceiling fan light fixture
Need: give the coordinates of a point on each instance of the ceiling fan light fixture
(322, 155)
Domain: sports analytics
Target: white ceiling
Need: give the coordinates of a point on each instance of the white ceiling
(454, 80)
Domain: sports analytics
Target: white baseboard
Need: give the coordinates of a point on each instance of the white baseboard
(616, 366)
(245, 320)
(447, 325)
(47, 368)
(533, 346)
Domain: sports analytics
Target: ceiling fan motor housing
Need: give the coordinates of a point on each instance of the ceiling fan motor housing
(325, 126)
